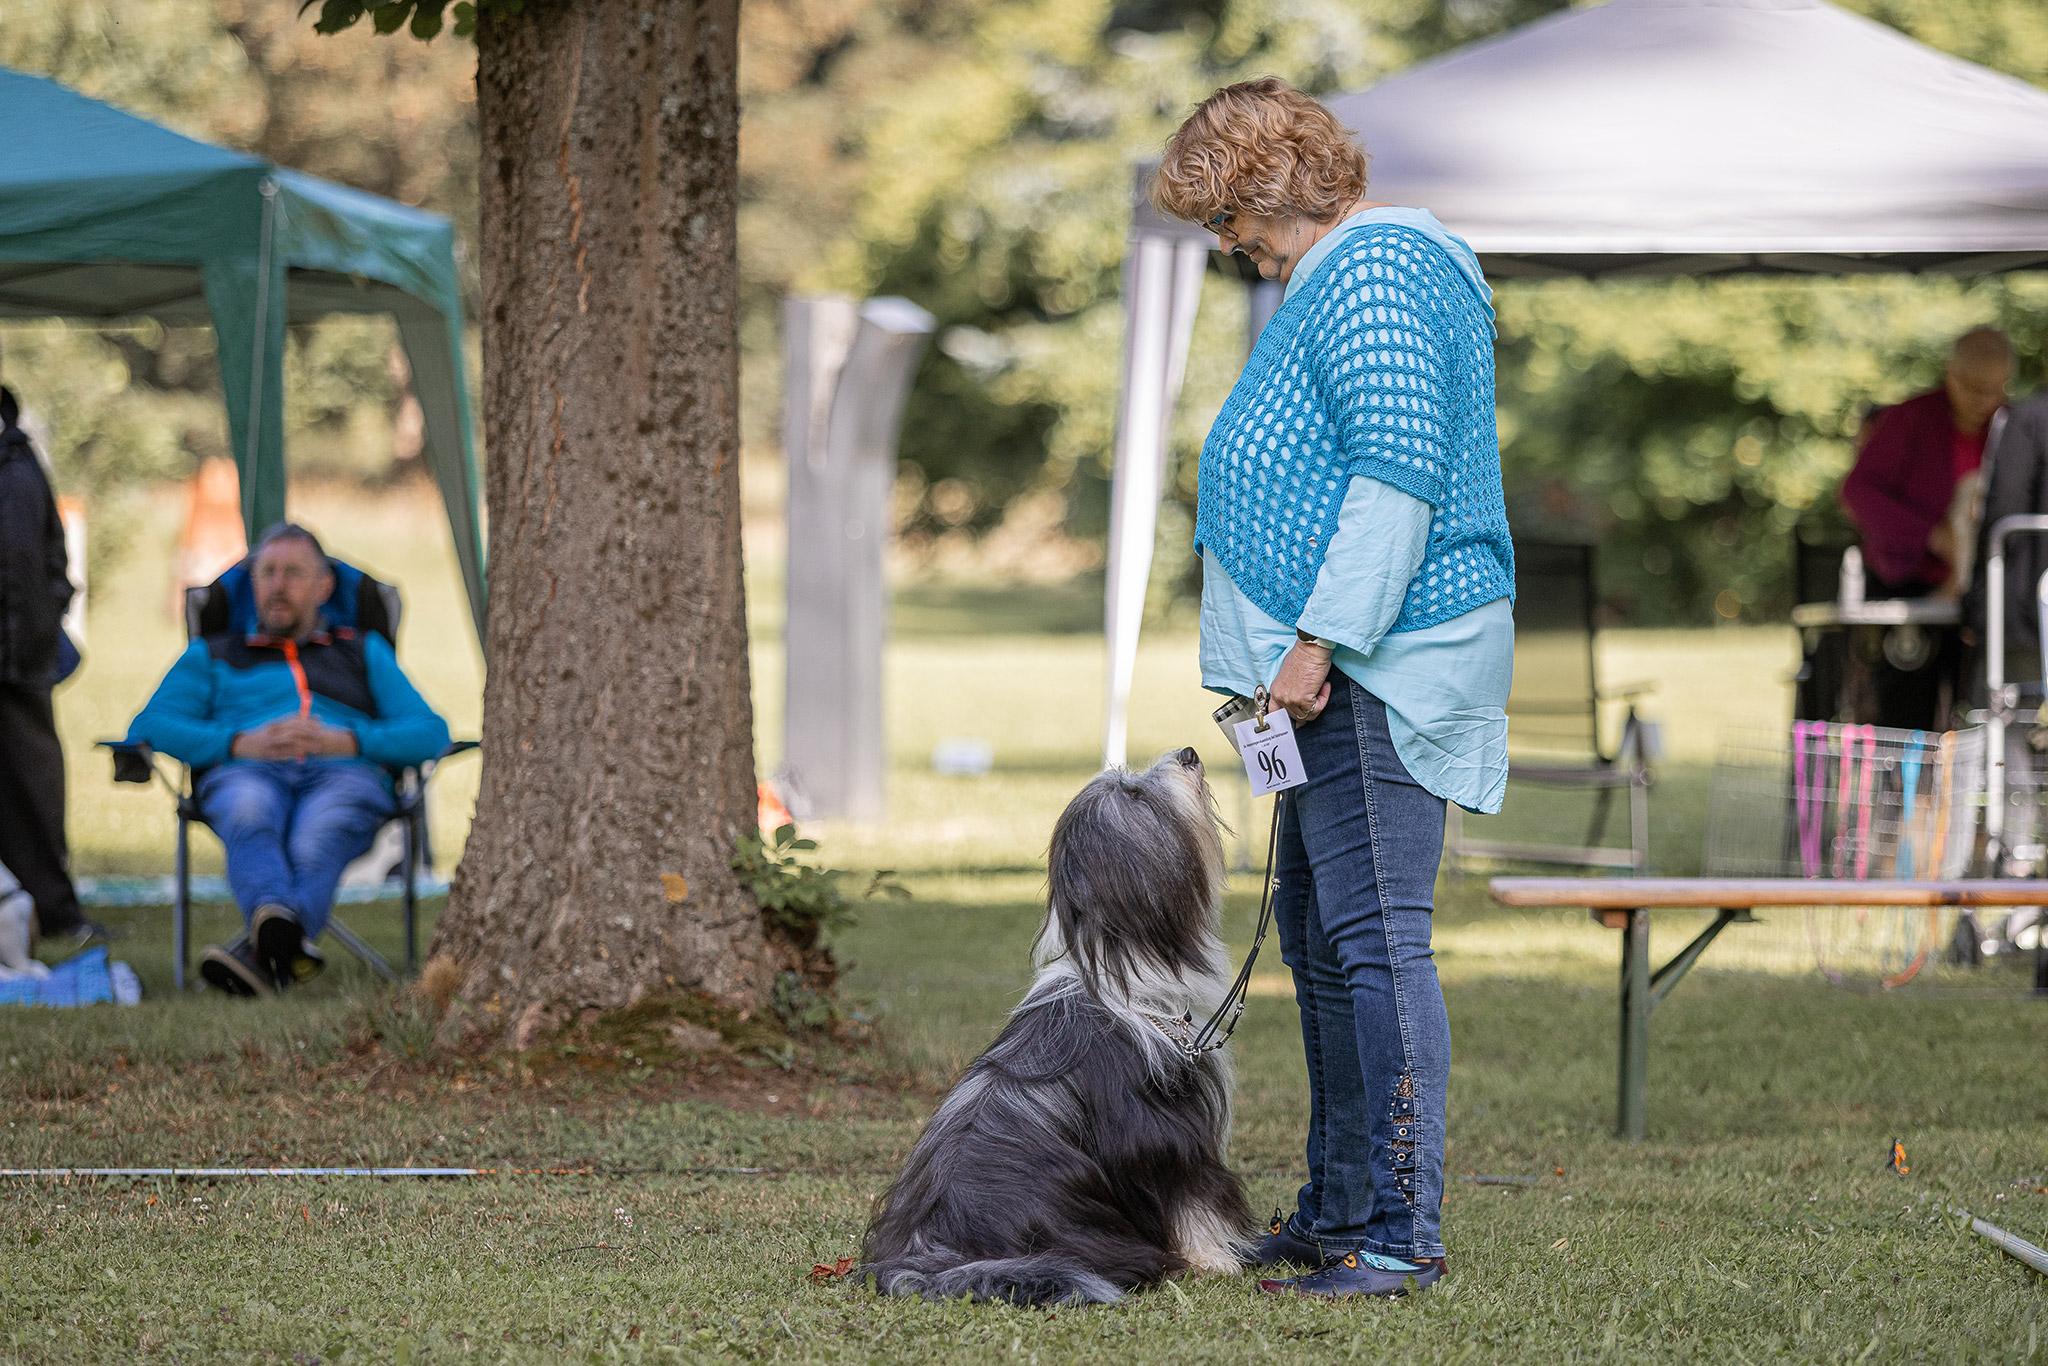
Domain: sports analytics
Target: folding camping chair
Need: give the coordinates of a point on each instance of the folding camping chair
(228, 604)
(1554, 713)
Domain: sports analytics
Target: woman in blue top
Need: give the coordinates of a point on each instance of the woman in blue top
(1356, 561)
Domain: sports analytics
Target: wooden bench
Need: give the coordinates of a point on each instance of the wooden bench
(1625, 904)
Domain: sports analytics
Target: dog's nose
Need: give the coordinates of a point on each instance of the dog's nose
(1189, 759)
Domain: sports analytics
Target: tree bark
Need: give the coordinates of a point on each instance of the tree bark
(618, 765)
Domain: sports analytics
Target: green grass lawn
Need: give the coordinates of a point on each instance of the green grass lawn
(1758, 1223)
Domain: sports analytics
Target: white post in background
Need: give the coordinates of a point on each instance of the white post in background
(847, 374)
(1262, 301)
(1162, 286)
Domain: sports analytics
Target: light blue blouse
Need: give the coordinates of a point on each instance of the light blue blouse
(1445, 686)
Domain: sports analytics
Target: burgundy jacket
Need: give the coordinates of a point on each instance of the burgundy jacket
(1901, 488)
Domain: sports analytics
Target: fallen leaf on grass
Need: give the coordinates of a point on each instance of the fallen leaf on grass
(1560, 1245)
(821, 1273)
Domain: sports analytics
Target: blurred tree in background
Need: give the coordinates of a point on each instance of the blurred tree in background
(975, 155)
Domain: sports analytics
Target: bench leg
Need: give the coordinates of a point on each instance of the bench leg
(1639, 826)
(1635, 1026)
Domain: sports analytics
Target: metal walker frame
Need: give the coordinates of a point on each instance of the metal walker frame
(2004, 702)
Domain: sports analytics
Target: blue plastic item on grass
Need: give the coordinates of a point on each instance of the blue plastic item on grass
(127, 986)
(84, 980)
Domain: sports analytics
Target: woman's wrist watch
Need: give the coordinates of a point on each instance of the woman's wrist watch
(1307, 639)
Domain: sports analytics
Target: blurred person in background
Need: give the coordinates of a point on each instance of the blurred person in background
(35, 588)
(291, 731)
(1913, 491)
(2016, 484)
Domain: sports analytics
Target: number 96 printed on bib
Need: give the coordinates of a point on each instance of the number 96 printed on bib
(1272, 758)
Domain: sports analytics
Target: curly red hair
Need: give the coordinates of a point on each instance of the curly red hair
(1259, 147)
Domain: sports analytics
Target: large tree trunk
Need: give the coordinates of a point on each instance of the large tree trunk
(618, 727)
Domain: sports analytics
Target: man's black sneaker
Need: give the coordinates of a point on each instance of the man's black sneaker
(233, 969)
(282, 948)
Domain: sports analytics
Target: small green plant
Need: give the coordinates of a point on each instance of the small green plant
(797, 896)
(800, 1006)
(403, 1023)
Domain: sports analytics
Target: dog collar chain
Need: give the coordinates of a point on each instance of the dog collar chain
(1180, 1032)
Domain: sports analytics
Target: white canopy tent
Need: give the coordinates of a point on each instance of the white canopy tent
(1640, 138)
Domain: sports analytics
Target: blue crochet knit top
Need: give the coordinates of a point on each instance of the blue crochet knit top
(1381, 365)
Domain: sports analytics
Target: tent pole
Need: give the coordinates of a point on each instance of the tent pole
(1162, 288)
(1134, 481)
(253, 472)
(433, 349)
(1262, 302)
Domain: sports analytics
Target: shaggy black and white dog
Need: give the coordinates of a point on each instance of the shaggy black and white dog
(1082, 1155)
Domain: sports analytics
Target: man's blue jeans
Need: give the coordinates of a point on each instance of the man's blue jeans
(291, 827)
(1353, 888)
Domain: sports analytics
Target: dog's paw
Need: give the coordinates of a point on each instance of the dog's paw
(1209, 1244)
(1215, 1259)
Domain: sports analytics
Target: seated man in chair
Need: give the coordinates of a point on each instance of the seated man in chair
(291, 733)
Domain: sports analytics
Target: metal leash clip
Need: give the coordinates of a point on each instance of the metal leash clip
(1260, 700)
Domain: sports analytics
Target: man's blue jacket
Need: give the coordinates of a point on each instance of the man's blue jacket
(230, 683)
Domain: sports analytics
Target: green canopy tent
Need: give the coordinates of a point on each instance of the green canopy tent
(105, 215)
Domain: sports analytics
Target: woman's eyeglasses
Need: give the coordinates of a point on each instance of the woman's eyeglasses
(1220, 221)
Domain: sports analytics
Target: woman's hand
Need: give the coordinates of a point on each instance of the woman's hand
(1302, 687)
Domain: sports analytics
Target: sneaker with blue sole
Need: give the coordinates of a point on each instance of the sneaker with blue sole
(1355, 1274)
(1282, 1246)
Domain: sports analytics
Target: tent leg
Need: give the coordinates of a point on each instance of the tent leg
(1162, 285)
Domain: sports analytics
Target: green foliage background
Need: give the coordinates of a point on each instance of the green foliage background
(975, 156)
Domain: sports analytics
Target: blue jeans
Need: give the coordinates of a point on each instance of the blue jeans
(291, 827)
(1353, 886)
